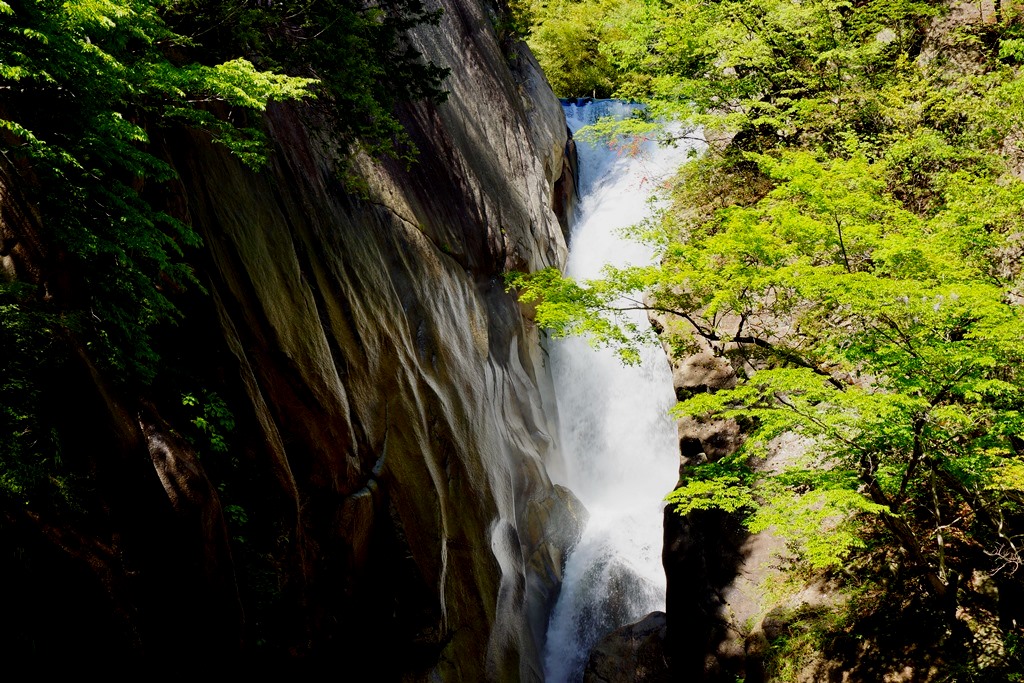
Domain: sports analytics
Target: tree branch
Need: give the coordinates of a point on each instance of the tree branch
(711, 336)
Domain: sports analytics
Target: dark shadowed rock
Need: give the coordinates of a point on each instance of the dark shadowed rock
(567, 187)
(632, 654)
(710, 440)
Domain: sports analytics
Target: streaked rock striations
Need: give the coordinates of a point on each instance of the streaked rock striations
(393, 408)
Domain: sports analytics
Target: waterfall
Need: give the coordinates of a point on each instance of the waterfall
(618, 440)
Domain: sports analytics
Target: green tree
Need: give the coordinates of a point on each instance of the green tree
(87, 83)
(357, 53)
(855, 251)
(89, 88)
(566, 38)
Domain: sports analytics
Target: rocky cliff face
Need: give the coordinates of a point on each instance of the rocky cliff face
(392, 406)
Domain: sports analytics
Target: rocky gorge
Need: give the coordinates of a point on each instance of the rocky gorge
(347, 443)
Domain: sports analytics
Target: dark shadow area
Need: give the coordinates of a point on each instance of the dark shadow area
(702, 555)
(901, 633)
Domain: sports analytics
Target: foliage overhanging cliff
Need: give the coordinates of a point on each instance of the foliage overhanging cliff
(87, 85)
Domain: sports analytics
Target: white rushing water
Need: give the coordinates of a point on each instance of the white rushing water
(618, 440)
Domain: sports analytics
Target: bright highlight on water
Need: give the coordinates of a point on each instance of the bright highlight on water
(618, 441)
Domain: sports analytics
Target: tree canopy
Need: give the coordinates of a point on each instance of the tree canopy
(855, 250)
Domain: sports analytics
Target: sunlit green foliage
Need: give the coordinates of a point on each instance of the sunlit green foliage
(91, 91)
(88, 84)
(567, 37)
(856, 251)
(357, 52)
(212, 420)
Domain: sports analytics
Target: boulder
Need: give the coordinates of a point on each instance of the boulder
(634, 653)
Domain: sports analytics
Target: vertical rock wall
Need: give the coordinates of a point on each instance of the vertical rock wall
(392, 406)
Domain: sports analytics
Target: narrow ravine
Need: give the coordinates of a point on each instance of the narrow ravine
(619, 442)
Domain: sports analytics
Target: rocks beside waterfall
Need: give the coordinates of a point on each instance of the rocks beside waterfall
(611, 588)
(721, 615)
(554, 525)
(707, 441)
(719, 618)
(566, 190)
(634, 653)
(385, 496)
(700, 373)
(703, 549)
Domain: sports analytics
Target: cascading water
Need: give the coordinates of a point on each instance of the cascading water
(619, 442)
